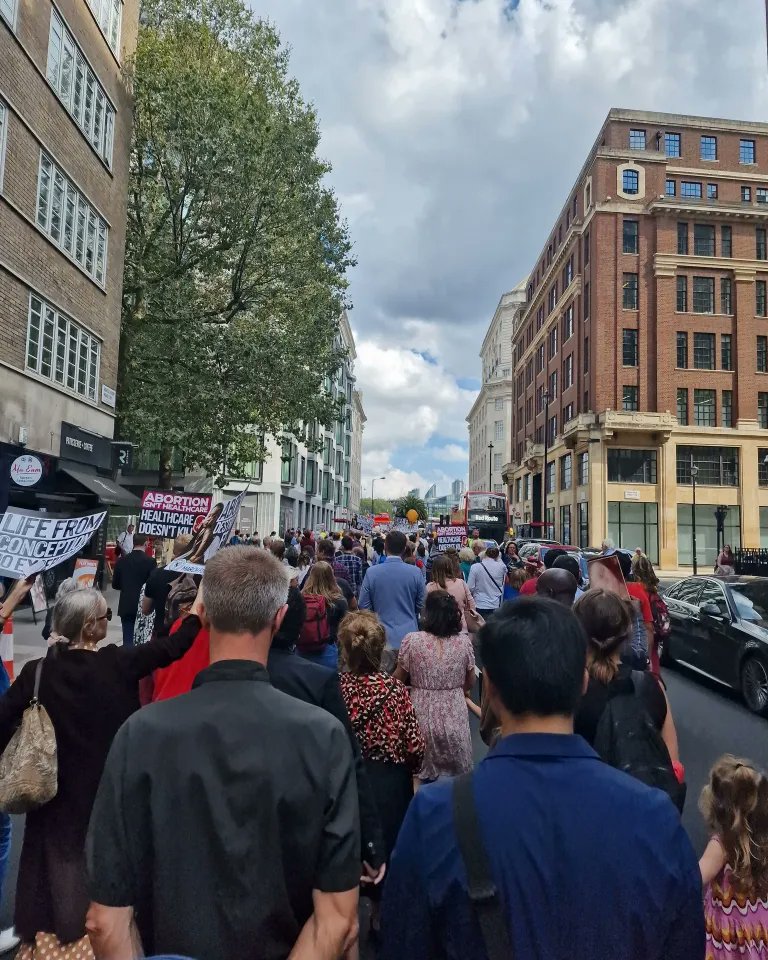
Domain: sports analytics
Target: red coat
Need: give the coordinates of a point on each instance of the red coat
(178, 677)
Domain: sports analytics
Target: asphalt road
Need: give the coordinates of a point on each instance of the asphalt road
(710, 721)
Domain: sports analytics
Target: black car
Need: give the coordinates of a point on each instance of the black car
(720, 629)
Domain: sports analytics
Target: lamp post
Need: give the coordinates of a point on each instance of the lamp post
(694, 474)
(545, 397)
(490, 467)
(720, 515)
(373, 480)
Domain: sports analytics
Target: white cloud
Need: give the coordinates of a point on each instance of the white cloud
(451, 451)
(456, 131)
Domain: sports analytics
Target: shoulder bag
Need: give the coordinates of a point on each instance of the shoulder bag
(483, 893)
(28, 766)
(473, 619)
(499, 588)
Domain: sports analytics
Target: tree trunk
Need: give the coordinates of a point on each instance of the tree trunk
(165, 472)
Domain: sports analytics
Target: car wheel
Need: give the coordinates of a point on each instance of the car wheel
(754, 685)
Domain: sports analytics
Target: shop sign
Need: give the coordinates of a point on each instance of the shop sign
(631, 494)
(108, 396)
(26, 470)
(85, 447)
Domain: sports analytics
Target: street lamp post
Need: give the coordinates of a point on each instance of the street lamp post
(694, 474)
(373, 481)
(490, 467)
(544, 468)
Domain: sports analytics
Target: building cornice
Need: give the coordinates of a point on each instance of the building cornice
(667, 265)
(672, 120)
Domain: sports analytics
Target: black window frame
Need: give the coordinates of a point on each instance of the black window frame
(674, 140)
(718, 466)
(690, 189)
(682, 238)
(761, 353)
(630, 398)
(681, 345)
(707, 147)
(704, 352)
(726, 241)
(630, 465)
(682, 406)
(703, 240)
(726, 296)
(761, 298)
(711, 191)
(762, 409)
(726, 351)
(682, 294)
(670, 187)
(629, 347)
(566, 471)
(761, 243)
(746, 194)
(747, 147)
(630, 237)
(703, 296)
(726, 408)
(635, 134)
(704, 407)
(630, 182)
(630, 291)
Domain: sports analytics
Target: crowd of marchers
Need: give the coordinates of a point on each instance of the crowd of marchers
(291, 732)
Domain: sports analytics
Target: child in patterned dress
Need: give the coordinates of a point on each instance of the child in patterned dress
(734, 866)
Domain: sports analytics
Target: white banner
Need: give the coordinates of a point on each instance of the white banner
(31, 543)
(212, 533)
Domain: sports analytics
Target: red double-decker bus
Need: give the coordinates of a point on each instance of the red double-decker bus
(483, 511)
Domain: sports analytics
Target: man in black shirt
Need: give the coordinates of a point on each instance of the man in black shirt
(228, 817)
(130, 575)
(159, 586)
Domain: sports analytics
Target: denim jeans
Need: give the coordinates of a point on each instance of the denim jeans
(128, 625)
(5, 847)
(326, 658)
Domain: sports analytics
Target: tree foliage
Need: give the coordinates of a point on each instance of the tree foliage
(236, 254)
(404, 504)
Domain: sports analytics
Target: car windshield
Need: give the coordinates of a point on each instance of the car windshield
(751, 601)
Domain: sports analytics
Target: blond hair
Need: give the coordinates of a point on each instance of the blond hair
(735, 806)
(321, 581)
(361, 641)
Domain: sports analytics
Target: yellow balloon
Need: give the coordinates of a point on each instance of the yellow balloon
(412, 516)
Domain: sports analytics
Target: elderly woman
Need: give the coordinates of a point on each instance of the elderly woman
(89, 692)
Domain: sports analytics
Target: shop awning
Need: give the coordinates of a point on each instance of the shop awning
(106, 490)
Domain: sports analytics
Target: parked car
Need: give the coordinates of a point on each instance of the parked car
(537, 551)
(720, 630)
(524, 541)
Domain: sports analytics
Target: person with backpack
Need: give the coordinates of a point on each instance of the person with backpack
(542, 852)
(644, 574)
(158, 586)
(326, 607)
(624, 713)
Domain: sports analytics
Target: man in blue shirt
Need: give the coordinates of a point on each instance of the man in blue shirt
(394, 590)
(589, 863)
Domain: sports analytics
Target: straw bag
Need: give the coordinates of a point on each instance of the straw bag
(28, 765)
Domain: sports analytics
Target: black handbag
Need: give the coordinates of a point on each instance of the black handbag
(483, 893)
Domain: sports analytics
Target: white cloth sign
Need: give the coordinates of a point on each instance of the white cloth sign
(31, 543)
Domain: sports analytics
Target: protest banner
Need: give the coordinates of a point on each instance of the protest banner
(33, 542)
(167, 514)
(85, 571)
(37, 595)
(211, 534)
(450, 537)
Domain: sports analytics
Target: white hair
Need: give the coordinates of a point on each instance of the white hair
(74, 609)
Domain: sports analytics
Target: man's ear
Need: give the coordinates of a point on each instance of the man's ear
(203, 614)
(279, 617)
(585, 682)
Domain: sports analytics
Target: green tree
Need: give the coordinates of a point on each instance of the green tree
(236, 255)
(404, 504)
(380, 505)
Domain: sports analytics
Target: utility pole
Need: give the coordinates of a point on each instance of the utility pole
(694, 474)
(373, 480)
(544, 468)
(490, 460)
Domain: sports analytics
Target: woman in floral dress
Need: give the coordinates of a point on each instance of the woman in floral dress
(439, 666)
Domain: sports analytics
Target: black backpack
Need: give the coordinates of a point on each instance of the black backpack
(627, 739)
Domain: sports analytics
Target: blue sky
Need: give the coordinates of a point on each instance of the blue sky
(455, 129)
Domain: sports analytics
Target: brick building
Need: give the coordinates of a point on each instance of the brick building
(65, 128)
(643, 347)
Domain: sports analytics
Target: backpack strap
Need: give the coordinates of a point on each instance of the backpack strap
(38, 674)
(483, 893)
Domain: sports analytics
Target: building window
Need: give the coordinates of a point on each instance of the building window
(762, 467)
(584, 468)
(704, 408)
(630, 182)
(3, 124)
(690, 189)
(703, 240)
(496, 462)
(586, 355)
(637, 139)
(762, 354)
(81, 93)
(108, 14)
(70, 221)
(498, 404)
(726, 353)
(746, 151)
(672, 144)
(583, 515)
(708, 148)
(761, 195)
(60, 351)
(552, 429)
(727, 411)
(704, 351)
(631, 466)
(726, 241)
(565, 523)
(540, 358)
(629, 348)
(630, 292)
(682, 294)
(682, 406)
(552, 343)
(568, 273)
(630, 399)
(630, 236)
(718, 466)
(549, 485)
(310, 479)
(682, 239)
(585, 248)
(726, 297)
(703, 295)
(711, 191)
(302, 471)
(568, 372)
(568, 413)
(761, 248)
(669, 188)
(566, 473)
(568, 323)
(8, 12)
(760, 298)
(339, 463)
(553, 385)
(635, 524)
(326, 486)
(682, 349)
(762, 410)
(586, 301)
(746, 194)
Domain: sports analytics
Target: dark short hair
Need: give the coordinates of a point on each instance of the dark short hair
(492, 553)
(347, 543)
(535, 652)
(395, 542)
(139, 539)
(326, 547)
(288, 634)
(441, 616)
(554, 553)
(569, 562)
(625, 562)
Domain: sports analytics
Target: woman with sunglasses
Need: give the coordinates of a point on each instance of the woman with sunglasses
(89, 691)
